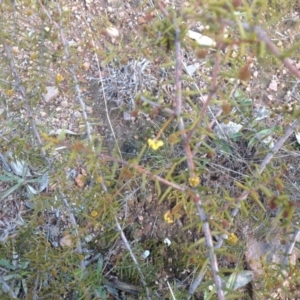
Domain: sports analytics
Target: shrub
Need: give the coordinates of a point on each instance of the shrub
(147, 153)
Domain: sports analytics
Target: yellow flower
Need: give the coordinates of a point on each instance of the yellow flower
(99, 179)
(194, 181)
(232, 239)
(9, 92)
(59, 78)
(168, 217)
(173, 214)
(154, 144)
(94, 214)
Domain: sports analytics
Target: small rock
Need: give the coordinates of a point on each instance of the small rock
(146, 254)
(77, 114)
(126, 116)
(15, 50)
(86, 66)
(43, 114)
(89, 109)
(167, 242)
(201, 39)
(273, 85)
(113, 32)
(89, 238)
(114, 41)
(122, 14)
(51, 94)
(64, 103)
(141, 20)
(234, 54)
(191, 69)
(72, 44)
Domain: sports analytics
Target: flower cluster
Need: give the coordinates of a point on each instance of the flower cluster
(155, 144)
(94, 214)
(59, 78)
(232, 239)
(168, 217)
(194, 181)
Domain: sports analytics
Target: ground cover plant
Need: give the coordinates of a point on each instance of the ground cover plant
(149, 149)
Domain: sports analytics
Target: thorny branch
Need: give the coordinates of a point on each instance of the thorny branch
(188, 151)
(189, 157)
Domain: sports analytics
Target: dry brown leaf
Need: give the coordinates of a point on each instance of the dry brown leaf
(244, 73)
(66, 241)
(226, 108)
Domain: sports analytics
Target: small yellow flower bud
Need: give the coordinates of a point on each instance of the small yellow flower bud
(9, 92)
(194, 181)
(59, 78)
(168, 217)
(232, 239)
(94, 214)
